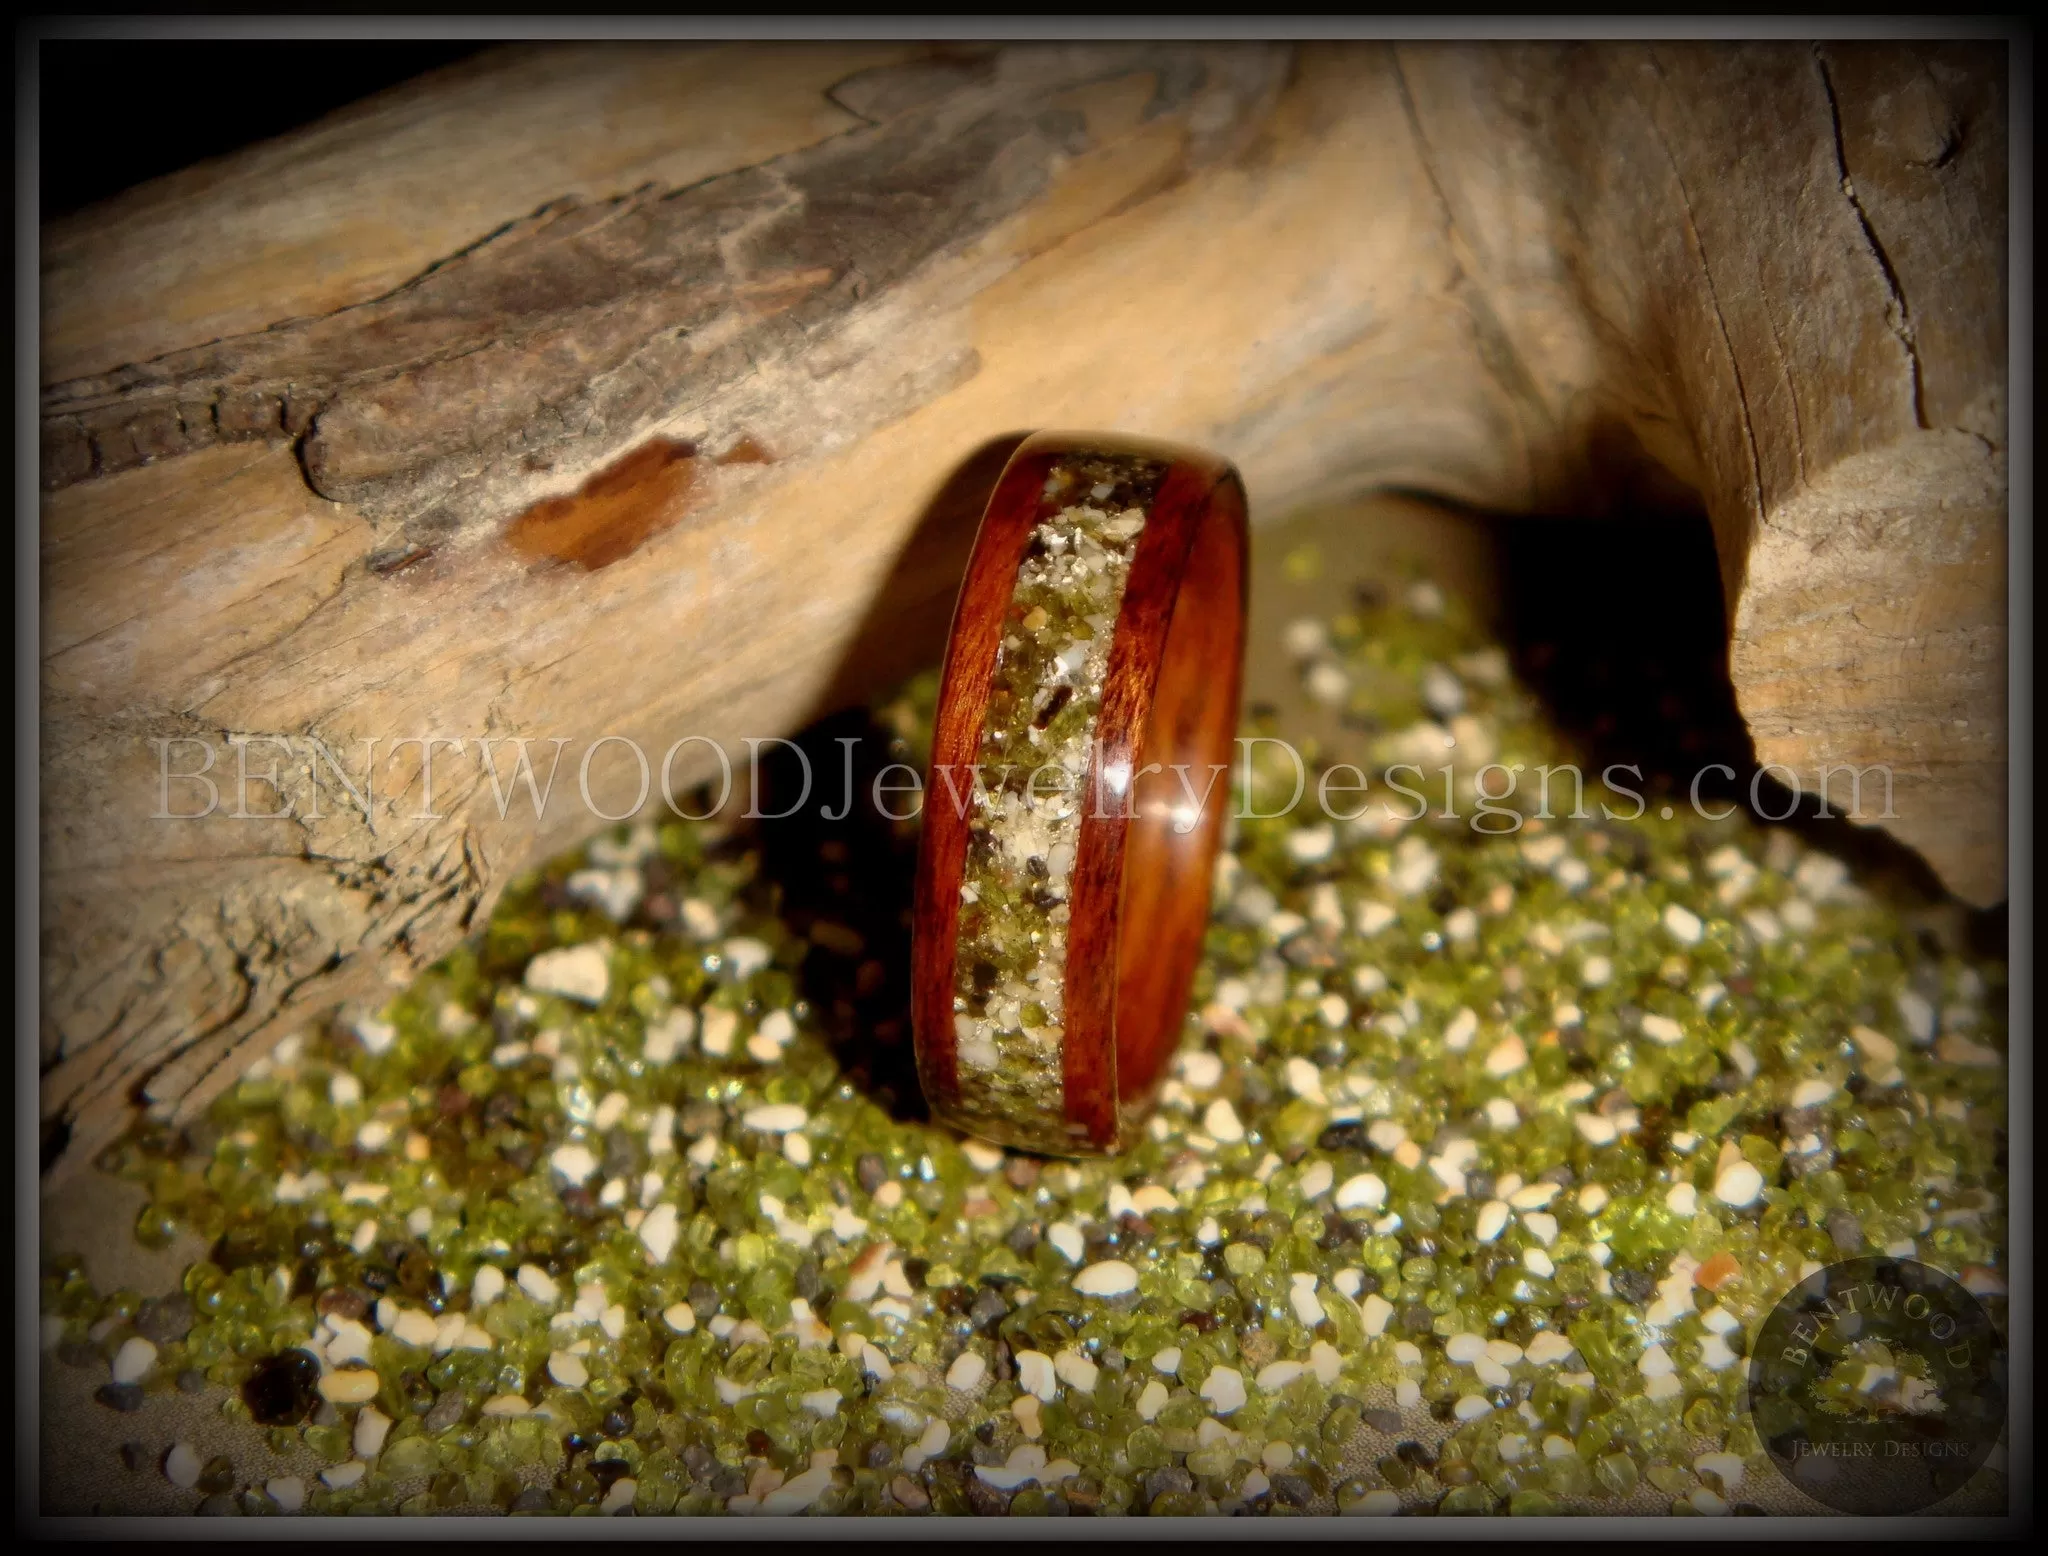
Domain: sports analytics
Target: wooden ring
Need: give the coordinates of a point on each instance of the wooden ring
(1079, 777)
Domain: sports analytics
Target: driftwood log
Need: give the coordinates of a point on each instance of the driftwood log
(595, 391)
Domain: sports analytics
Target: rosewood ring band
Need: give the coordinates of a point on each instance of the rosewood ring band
(1080, 775)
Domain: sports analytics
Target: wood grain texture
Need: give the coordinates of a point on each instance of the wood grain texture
(972, 646)
(1111, 1069)
(375, 195)
(296, 401)
(1181, 772)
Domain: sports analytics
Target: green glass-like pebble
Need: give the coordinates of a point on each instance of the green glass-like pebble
(332, 1443)
(1704, 1418)
(404, 1459)
(1146, 1450)
(1668, 1479)
(1616, 1474)
(1466, 1501)
(1567, 1477)
(155, 1227)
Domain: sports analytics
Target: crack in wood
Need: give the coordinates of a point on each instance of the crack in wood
(1508, 371)
(1756, 466)
(1902, 325)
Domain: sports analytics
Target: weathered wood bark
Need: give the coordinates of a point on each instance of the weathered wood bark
(301, 405)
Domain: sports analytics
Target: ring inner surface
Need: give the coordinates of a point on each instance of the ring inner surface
(1012, 930)
(1179, 809)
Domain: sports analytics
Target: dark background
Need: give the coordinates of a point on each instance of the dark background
(118, 113)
